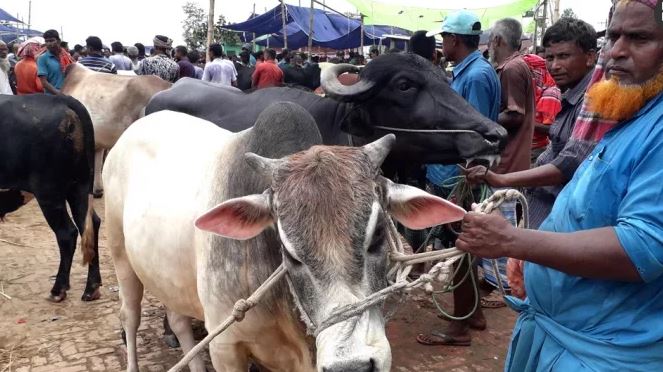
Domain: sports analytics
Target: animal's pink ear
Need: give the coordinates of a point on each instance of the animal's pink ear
(417, 209)
(240, 218)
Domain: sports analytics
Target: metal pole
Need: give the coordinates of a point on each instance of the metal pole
(362, 34)
(545, 17)
(30, 14)
(210, 29)
(310, 32)
(253, 41)
(283, 20)
(555, 17)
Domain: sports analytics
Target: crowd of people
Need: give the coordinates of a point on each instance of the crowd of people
(584, 126)
(38, 64)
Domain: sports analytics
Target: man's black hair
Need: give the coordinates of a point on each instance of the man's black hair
(285, 52)
(52, 34)
(216, 49)
(64, 45)
(375, 51)
(141, 49)
(78, 48)
(571, 29)
(181, 49)
(245, 55)
(194, 56)
(470, 41)
(117, 47)
(271, 53)
(94, 43)
(422, 45)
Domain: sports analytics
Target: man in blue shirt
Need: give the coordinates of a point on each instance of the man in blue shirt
(49, 64)
(475, 79)
(594, 271)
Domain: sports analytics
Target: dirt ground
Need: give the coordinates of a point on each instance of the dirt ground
(36, 335)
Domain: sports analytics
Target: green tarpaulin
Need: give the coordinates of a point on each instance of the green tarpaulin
(416, 18)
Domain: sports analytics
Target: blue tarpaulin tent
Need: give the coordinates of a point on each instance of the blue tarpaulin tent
(6, 17)
(330, 30)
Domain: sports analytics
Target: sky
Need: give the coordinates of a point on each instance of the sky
(131, 21)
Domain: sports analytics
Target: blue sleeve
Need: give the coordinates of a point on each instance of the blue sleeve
(480, 93)
(640, 220)
(42, 66)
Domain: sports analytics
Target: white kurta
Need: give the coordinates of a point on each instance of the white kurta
(5, 88)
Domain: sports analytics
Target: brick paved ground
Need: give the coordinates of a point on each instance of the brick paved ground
(37, 336)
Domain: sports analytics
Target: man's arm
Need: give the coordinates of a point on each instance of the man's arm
(545, 175)
(542, 128)
(595, 254)
(48, 87)
(255, 77)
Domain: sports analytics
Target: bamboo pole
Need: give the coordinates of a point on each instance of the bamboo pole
(310, 33)
(284, 21)
(210, 29)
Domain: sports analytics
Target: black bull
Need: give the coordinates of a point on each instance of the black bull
(402, 91)
(47, 149)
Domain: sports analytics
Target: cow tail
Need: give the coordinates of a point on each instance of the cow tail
(87, 235)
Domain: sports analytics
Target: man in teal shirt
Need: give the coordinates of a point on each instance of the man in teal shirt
(594, 271)
(475, 79)
(49, 67)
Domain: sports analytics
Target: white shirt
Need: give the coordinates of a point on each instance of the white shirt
(5, 88)
(220, 71)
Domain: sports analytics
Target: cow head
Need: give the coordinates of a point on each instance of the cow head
(330, 208)
(406, 91)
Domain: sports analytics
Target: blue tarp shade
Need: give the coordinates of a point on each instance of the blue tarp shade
(9, 33)
(4, 16)
(330, 30)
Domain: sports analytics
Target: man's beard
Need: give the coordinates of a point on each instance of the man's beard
(492, 58)
(617, 102)
(4, 65)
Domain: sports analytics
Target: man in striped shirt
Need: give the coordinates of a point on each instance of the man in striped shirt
(95, 61)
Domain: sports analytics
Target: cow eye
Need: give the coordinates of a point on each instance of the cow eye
(404, 86)
(377, 242)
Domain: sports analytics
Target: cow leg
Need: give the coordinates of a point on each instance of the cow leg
(98, 190)
(228, 357)
(131, 289)
(55, 212)
(181, 325)
(168, 335)
(78, 203)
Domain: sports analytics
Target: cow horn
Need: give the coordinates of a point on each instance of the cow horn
(378, 150)
(262, 165)
(333, 87)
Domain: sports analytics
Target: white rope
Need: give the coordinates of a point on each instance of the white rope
(402, 264)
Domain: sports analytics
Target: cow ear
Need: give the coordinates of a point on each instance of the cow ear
(417, 209)
(240, 218)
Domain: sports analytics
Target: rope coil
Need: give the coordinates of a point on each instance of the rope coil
(441, 272)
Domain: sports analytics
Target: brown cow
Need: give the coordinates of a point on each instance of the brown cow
(113, 101)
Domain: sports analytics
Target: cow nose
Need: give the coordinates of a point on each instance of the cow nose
(355, 365)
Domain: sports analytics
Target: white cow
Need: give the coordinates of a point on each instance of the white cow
(327, 205)
(113, 101)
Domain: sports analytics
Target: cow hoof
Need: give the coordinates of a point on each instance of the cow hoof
(98, 194)
(91, 296)
(57, 298)
(172, 341)
(123, 334)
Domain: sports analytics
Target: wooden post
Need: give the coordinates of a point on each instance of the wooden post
(310, 32)
(545, 19)
(555, 16)
(284, 21)
(210, 28)
(361, 50)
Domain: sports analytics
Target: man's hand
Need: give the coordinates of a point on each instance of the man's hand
(486, 235)
(479, 174)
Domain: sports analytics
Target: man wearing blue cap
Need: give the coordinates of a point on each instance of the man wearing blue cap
(475, 79)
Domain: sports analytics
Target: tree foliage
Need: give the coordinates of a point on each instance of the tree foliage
(194, 28)
(568, 13)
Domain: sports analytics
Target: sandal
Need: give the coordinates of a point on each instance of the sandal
(492, 301)
(442, 339)
(473, 323)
